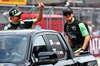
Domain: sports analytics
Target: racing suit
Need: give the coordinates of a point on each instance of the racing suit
(76, 32)
(25, 24)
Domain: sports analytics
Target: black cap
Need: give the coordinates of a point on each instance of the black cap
(67, 9)
(15, 12)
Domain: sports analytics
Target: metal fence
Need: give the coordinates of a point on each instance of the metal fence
(91, 16)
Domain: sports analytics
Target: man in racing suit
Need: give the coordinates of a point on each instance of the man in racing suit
(16, 23)
(77, 32)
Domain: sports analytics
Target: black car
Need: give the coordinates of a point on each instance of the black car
(39, 48)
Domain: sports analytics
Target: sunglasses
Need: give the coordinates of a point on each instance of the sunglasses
(66, 13)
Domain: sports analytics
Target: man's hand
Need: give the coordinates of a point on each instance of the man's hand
(41, 5)
(79, 50)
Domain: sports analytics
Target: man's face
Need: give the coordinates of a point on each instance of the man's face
(16, 18)
(68, 16)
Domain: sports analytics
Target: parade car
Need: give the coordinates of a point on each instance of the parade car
(31, 47)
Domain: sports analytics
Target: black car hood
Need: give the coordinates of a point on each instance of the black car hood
(13, 64)
(7, 64)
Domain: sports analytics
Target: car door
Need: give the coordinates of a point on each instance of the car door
(58, 46)
(51, 42)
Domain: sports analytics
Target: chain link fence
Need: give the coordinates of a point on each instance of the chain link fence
(52, 17)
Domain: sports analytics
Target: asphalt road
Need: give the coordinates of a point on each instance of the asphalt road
(98, 59)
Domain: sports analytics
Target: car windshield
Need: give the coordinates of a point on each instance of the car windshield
(13, 48)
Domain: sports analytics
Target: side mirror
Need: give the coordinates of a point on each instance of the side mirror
(47, 55)
(47, 58)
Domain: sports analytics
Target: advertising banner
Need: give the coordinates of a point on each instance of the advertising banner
(13, 2)
(49, 1)
(94, 47)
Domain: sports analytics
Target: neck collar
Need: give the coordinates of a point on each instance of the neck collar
(15, 23)
(72, 21)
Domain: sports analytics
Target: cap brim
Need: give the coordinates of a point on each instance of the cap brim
(19, 13)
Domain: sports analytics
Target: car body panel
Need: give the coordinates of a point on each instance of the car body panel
(50, 41)
(86, 58)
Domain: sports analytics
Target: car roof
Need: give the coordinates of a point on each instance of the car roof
(24, 31)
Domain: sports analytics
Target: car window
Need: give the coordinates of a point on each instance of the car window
(13, 48)
(56, 45)
(39, 41)
(39, 46)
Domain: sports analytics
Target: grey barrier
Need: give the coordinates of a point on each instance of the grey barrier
(90, 15)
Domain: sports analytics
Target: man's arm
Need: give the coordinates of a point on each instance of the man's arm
(69, 41)
(86, 41)
(85, 33)
(85, 44)
(39, 17)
